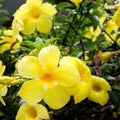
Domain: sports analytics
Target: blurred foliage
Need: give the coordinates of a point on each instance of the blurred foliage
(70, 26)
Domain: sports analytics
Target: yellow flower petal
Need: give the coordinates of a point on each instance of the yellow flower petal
(38, 2)
(80, 92)
(49, 57)
(17, 25)
(101, 82)
(56, 96)
(99, 90)
(67, 74)
(32, 112)
(29, 26)
(101, 97)
(31, 91)
(44, 24)
(48, 9)
(29, 67)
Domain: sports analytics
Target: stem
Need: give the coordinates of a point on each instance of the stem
(81, 42)
(68, 30)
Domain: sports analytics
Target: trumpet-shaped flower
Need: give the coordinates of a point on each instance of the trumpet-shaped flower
(32, 112)
(105, 55)
(51, 78)
(82, 88)
(3, 88)
(116, 17)
(32, 15)
(99, 91)
(8, 41)
(76, 2)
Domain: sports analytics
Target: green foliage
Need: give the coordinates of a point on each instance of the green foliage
(3, 12)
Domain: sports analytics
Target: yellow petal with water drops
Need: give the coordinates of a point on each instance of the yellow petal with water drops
(32, 112)
(56, 96)
(47, 9)
(31, 91)
(29, 67)
(80, 92)
(44, 24)
(101, 83)
(99, 97)
(85, 74)
(67, 74)
(49, 57)
(42, 112)
(29, 26)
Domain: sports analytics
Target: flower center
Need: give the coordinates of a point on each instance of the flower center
(32, 112)
(96, 88)
(48, 76)
(35, 13)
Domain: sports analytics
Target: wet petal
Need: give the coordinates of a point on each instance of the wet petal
(44, 24)
(29, 67)
(67, 74)
(29, 26)
(31, 91)
(101, 82)
(47, 9)
(49, 57)
(80, 92)
(56, 96)
(32, 112)
(85, 74)
(42, 112)
(101, 97)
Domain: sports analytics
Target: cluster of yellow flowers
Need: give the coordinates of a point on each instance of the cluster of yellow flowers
(50, 77)
(55, 80)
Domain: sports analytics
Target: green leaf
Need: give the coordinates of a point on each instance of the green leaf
(4, 12)
(63, 5)
(116, 87)
(114, 99)
(109, 77)
(4, 19)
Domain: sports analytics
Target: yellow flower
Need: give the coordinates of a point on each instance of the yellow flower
(32, 112)
(116, 17)
(82, 88)
(51, 78)
(99, 90)
(3, 88)
(7, 41)
(93, 34)
(32, 15)
(106, 55)
(76, 2)
(110, 26)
